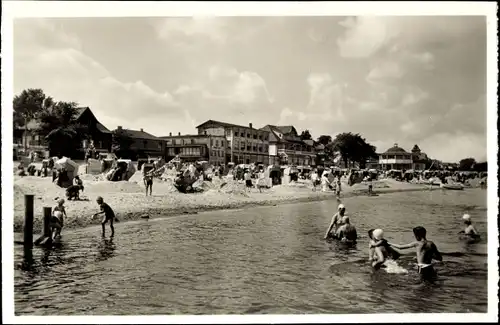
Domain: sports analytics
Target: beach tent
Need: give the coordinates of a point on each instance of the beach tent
(130, 168)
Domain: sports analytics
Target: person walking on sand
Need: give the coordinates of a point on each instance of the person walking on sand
(339, 184)
(109, 215)
(314, 180)
(426, 251)
(325, 183)
(148, 182)
(336, 222)
(261, 180)
(248, 179)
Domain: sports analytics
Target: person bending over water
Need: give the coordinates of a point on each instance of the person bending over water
(347, 232)
(379, 248)
(109, 215)
(470, 230)
(336, 222)
(426, 251)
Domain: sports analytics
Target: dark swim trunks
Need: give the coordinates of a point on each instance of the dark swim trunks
(249, 183)
(427, 273)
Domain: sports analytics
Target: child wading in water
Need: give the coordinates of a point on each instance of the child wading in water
(109, 215)
(426, 251)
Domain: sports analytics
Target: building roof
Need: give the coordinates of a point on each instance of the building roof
(190, 136)
(138, 134)
(229, 125)
(395, 150)
(289, 134)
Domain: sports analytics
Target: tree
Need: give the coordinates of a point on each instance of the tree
(353, 148)
(59, 125)
(305, 135)
(325, 139)
(481, 166)
(27, 106)
(121, 143)
(466, 164)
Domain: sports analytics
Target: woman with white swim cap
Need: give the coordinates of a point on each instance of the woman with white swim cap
(336, 220)
(470, 230)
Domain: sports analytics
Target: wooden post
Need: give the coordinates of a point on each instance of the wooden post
(28, 223)
(47, 215)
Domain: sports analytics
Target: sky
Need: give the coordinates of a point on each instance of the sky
(393, 79)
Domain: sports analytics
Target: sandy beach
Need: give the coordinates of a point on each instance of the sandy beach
(129, 201)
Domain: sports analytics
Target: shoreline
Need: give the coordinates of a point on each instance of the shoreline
(134, 205)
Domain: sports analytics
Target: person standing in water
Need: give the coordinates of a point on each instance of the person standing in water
(57, 219)
(426, 251)
(336, 221)
(470, 230)
(339, 184)
(379, 249)
(347, 232)
(109, 215)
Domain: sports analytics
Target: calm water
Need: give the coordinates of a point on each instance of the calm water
(261, 260)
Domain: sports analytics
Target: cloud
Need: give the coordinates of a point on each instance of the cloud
(211, 27)
(411, 80)
(67, 73)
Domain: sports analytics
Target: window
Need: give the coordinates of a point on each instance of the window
(217, 143)
(255, 136)
(100, 144)
(254, 147)
(242, 145)
(260, 137)
(266, 148)
(171, 152)
(222, 143)
(265, 137)
(211, 142)
(248, 147)
(248, 135)
(192, 141)
(235, 133)
(159, 145)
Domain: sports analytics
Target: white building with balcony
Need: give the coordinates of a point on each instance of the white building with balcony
(396, 158)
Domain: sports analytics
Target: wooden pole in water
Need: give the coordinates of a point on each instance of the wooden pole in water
(28, 223)
(47, 214)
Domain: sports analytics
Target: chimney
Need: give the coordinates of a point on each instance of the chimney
(170, 134)
(142, 130)
(250, 125)
(179, 133)
(119, 127)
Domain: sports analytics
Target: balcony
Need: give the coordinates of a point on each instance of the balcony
(295, 152)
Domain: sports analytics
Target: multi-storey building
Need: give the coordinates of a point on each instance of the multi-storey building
(244, 144)
(287, 148)
(195, 147)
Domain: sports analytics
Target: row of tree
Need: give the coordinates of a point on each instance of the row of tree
(470, 164)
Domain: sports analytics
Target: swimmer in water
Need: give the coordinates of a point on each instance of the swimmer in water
(469, 228)
(336, 221)
(347, 232)
(377, 241)
(426, 251)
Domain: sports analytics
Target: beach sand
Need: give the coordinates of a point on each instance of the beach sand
(128, 199)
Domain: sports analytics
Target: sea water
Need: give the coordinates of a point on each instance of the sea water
(265, 260)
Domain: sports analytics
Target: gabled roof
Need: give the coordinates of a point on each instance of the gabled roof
(137, 134)
(287, 132)
(99, 125)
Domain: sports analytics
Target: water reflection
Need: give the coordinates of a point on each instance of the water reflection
(106, 249)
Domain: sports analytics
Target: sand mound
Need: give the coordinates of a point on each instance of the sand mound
(111, 187)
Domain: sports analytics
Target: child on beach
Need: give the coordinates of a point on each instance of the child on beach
(148, 182)
(426, 251)
(109, 215)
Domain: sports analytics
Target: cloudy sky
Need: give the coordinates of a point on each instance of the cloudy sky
(405, 80)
